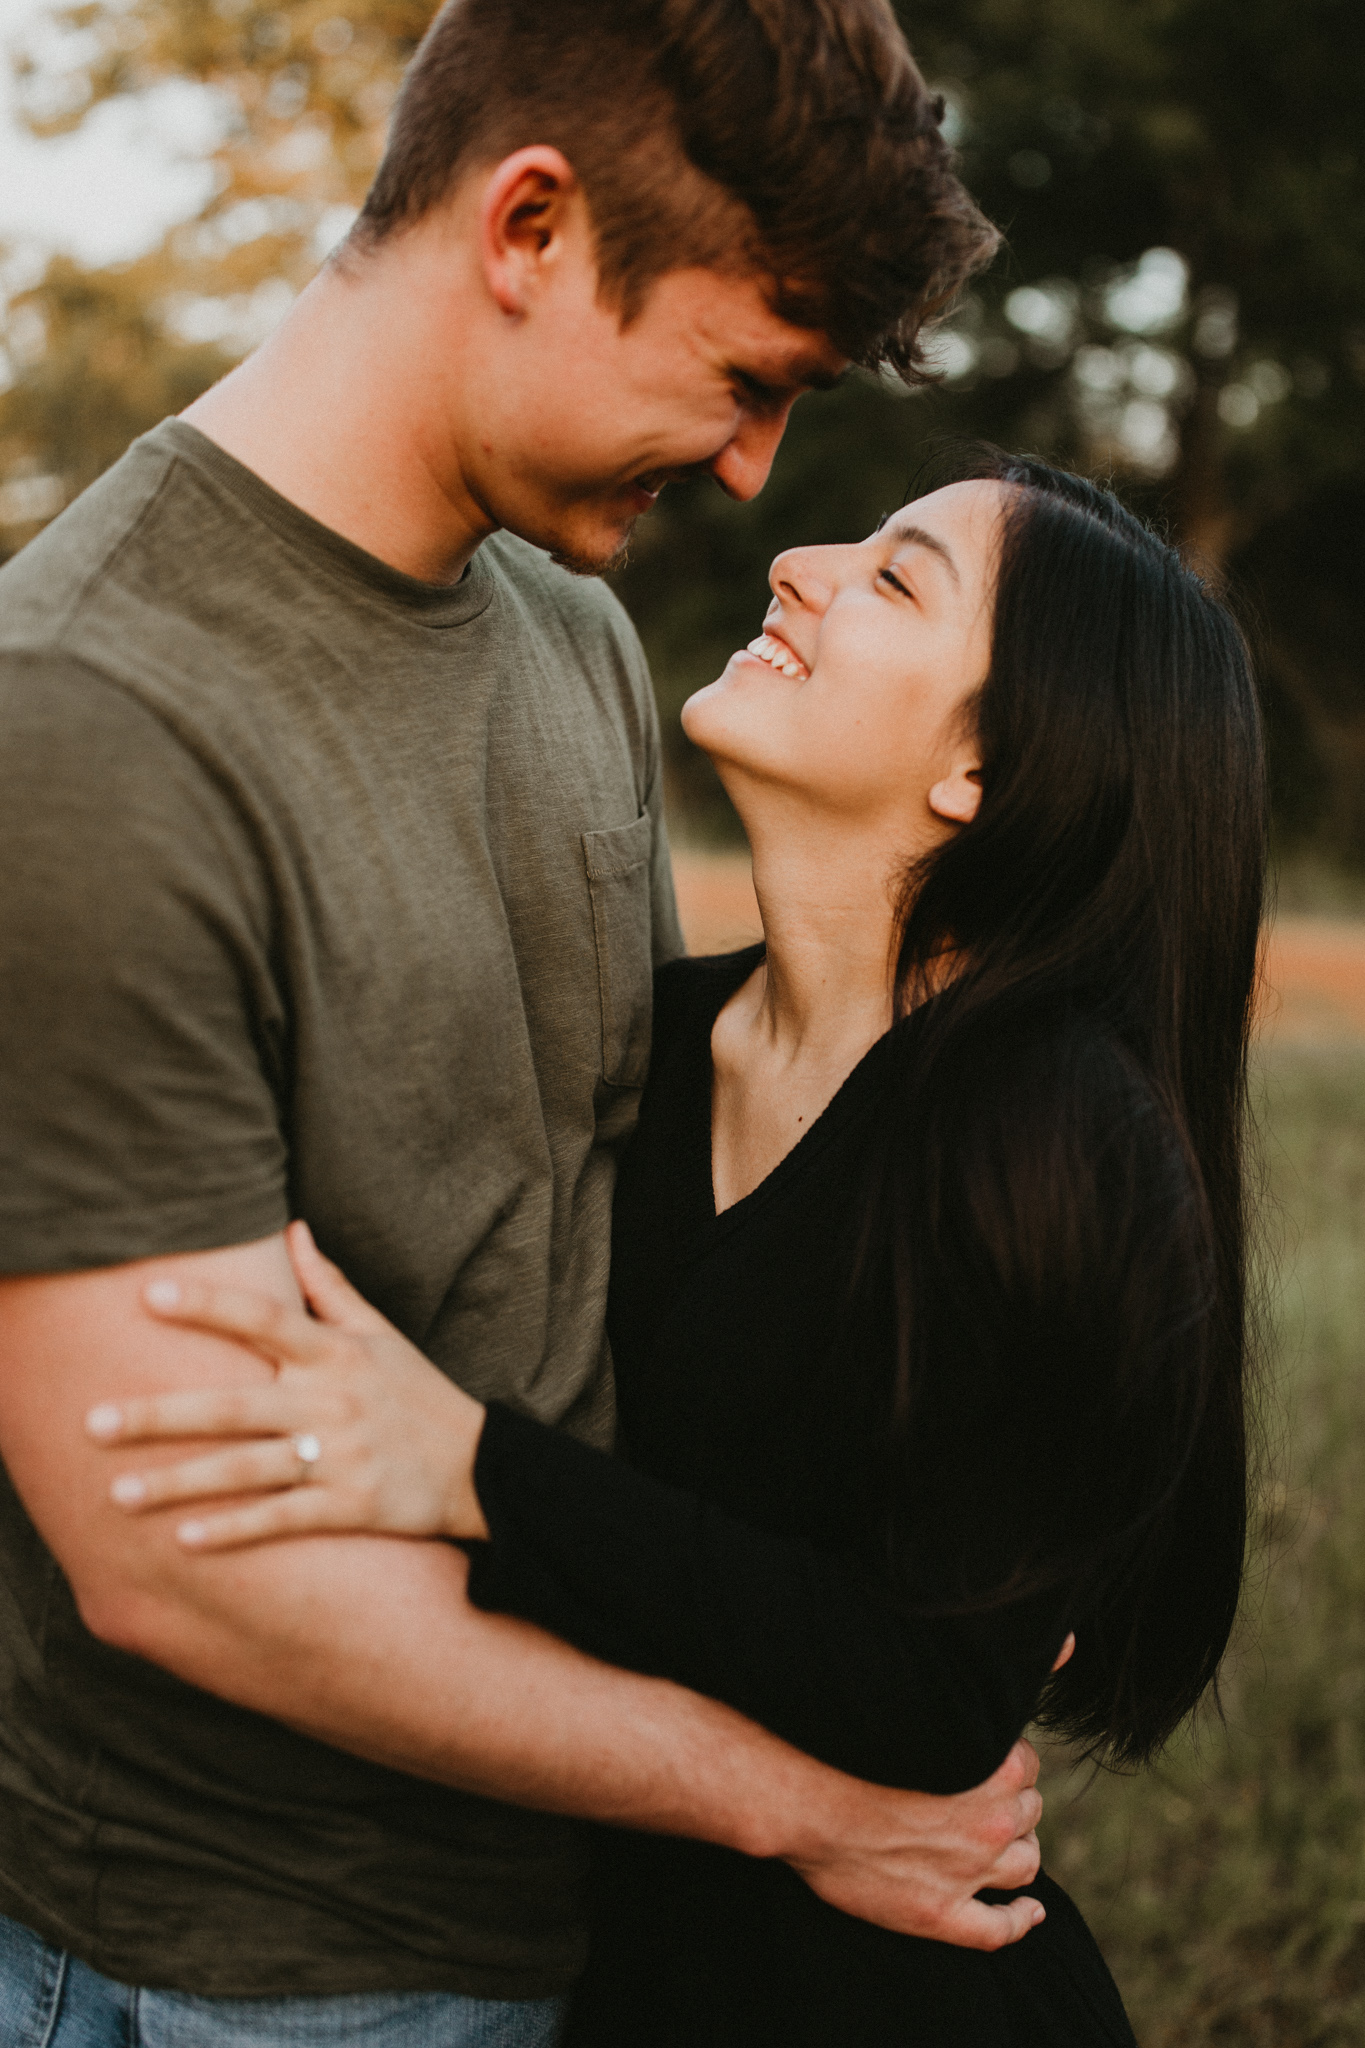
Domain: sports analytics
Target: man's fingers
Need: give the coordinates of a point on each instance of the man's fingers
(1020, 1768)
(251, 1469)
(1008, 1804)
(1017, 1774)
(977, 1925)
(1028, 1811)
(1017, 1866)
(258, 1320)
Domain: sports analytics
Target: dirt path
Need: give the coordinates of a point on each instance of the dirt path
(1314, 966)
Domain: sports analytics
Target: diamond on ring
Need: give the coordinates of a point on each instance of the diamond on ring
(307, 1450)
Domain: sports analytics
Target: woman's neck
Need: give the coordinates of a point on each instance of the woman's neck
(788, 1039)
(827, 981)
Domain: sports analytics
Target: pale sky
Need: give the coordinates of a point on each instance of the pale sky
(110, 190)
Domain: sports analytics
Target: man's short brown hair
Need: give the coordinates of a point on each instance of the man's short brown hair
(793, 137)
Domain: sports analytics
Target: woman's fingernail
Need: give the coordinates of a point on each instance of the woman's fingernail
(128, 1489)
(162, 1294)
(106, 1420)
(191, 1533)
(1039, 1915)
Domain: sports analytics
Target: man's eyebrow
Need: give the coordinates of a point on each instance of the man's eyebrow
(906, 530)
(807, 373)
(816, 377)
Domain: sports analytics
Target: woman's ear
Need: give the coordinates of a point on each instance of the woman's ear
(957, 798)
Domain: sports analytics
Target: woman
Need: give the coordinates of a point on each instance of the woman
(928, 1278)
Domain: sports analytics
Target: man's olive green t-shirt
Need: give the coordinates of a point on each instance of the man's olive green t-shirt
(326, 893)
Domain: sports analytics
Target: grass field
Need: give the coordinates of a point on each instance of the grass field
(1227, 1885)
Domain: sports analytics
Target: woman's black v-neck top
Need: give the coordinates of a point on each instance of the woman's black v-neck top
(722, 1552)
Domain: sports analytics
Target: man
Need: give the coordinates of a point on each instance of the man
(335, 868)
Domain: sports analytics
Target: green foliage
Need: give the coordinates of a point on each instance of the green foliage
(1180, 306)
(1228, 132)
(306, 85)
(94, 369)
(1225, 132)
(1227, 1886)
(95, 358)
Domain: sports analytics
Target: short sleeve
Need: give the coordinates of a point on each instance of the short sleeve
(141, 1030)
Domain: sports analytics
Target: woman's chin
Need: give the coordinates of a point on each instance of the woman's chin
(712, 712)
(743, 723)
(700, 713)
(708, 722)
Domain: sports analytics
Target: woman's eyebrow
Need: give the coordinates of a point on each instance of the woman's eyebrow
(906, 530)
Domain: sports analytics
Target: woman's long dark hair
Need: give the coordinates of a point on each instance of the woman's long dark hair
(1061, 1206)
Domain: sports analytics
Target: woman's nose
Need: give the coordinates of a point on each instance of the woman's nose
(801, 577)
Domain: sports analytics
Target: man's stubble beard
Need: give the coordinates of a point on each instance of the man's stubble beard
(589, 565)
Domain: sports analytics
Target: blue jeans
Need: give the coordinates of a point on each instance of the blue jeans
(50, 2000)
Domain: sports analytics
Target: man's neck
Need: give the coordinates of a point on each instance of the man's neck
(331, 413)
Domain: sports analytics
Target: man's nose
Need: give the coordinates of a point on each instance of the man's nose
(742, 466)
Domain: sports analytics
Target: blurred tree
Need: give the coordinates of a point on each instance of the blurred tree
(91, 367)
(1180, 309)
(1228, 132)
(1180, 306)
(1184, 191)
(301, 92)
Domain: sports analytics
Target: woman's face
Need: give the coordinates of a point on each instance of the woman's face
(853, 694)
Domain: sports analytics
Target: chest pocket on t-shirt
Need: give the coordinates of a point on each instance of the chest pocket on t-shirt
(617, 862)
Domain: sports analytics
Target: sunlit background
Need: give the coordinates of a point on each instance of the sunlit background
(1180, 304)
(1179, 309)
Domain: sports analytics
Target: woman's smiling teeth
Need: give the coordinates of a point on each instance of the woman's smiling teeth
(777, 655)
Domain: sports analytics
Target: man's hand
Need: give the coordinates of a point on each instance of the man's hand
(913, 1862)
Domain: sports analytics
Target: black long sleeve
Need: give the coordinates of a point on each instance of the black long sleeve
(651, 1577)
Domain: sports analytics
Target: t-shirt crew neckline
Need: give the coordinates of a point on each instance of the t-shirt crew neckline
(437, 605)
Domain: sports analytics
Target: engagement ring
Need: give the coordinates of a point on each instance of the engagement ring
(307, 1450)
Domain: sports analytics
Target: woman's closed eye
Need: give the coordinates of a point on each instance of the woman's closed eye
(890, 576)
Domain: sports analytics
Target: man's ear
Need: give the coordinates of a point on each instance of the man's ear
(523, 217)
(957, 798)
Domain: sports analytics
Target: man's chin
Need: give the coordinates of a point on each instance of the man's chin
(597, 562)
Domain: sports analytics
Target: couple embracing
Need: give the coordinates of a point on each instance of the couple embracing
(738, 1395)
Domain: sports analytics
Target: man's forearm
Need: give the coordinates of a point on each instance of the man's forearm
(366, 1642)
(369, 1644)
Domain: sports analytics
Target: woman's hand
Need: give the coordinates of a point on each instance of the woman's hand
(358, 1431)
